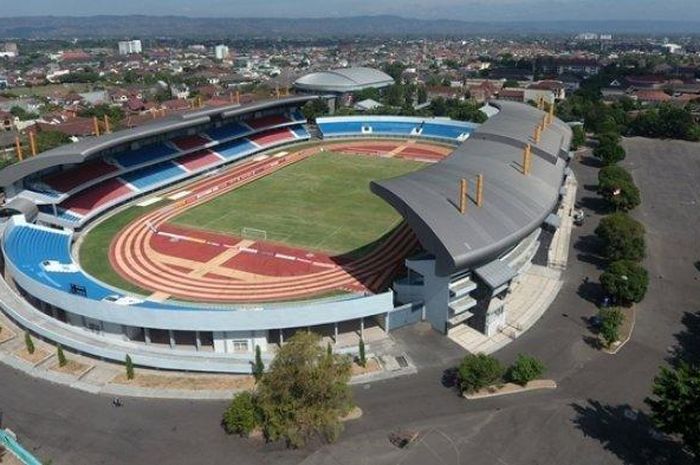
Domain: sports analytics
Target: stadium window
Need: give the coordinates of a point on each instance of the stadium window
(240, 345)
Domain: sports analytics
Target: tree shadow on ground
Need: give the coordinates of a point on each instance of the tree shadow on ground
(591, 291)
(591, 187)
(450, 379)
(596, 204)
(628, 434)
(591, 161)
(589, 251)
(688, 347)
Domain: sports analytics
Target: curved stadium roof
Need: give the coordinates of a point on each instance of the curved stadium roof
(344, 80)
(514, 204)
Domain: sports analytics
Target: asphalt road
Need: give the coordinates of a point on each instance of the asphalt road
(596, 415)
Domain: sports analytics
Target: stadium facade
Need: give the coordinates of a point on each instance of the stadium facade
(479, 216)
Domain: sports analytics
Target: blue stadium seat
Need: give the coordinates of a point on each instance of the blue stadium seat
(443, 130)
(144, 155)
(154, 175)
(300, 132)
(341, 127)
(228, 131)
(391, 127)
(236, 149)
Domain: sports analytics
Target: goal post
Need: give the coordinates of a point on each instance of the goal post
(254, 234)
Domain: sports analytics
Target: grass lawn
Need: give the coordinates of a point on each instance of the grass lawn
(94, 250)
(322, 203)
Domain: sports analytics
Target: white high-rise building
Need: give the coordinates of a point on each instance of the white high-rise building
(221, 52)
(127, 47)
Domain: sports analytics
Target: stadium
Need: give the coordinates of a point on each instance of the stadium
(187, 242)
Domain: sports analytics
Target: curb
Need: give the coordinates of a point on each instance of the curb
(510, 388)
(629, 335)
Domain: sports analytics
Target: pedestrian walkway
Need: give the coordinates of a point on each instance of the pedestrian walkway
(532, 292)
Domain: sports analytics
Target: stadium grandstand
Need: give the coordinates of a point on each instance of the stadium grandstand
(340, 83)
(457, 251)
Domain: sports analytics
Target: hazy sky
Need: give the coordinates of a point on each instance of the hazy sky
(478, 10)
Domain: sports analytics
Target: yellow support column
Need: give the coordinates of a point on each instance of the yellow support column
(95, 126)
(32, 142)
(108, 129)
(463, 192)
(18, 148)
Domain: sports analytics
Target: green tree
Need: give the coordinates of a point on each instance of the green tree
(622, 237)
(258, 365)
(395, 70)
(674, 407)
(240, 417)
(579, 137)
(511, 83)
(478, 371)
(314, 109)
(524, 370)
(22, 114)
(47, 140)
(62, 361)
(304, 392)
(626, 281)
(28, 342)
(363, 357)
(616, 186)
(610, 154)
(610, 322)
(129, 367)
(422, 94)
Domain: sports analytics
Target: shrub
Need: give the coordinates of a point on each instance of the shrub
(622, 236)
(626, 281)
(524, 370)
(62, 361)
(28, 342)
(609, 153)
(240, 416)
(129, 367)
(579, 137)
(616, 186)
(478, 371)
(610, 321)
(258, 366)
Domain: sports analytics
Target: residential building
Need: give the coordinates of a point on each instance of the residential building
(128, 47)
(221, 52)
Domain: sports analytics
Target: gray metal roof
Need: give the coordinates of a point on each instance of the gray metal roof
(91, 147)
(514, 204)
(496, 273)
(344, 80)
(20, 205)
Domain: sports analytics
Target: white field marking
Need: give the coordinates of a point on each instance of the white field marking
(261, 157)
(149, 201)
(280, 154)
(179, 195)
(285, 257)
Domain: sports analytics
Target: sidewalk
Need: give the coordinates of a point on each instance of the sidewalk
(533, 291)
(106, 378)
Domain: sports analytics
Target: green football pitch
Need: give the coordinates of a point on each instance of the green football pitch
(322, 203)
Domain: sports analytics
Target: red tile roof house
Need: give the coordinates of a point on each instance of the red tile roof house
(515, 95)
(77, 127)
(556, 87)
(652, 96)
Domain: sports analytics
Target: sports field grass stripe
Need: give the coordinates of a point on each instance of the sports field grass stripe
(322, 203)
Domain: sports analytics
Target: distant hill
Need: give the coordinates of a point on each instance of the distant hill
(378, 26)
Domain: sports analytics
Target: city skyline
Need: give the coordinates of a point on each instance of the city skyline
(469, 10)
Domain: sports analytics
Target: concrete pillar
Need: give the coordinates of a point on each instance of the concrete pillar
(197, 340)
(281, 337)
(335, 332)
(171, 338)
(147, 335)
(386, 322)
(362, 328)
